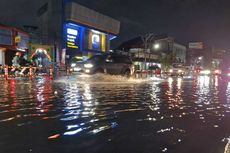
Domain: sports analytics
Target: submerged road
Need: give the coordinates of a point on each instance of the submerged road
(101, 114)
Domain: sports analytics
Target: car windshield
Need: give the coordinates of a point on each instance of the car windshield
(95, 58)
(76, 60)
(122, 59)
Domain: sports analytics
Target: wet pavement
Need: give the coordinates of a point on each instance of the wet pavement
(102, 114)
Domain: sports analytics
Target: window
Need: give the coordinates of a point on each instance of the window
(122, 59)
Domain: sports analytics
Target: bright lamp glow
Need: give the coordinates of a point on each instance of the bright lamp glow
(87, 71)
(205, 72)
(77, 69)
(157, 46)
(73, 64)
(217, 72)
(170, 70)
(95, 38)
(88, 65)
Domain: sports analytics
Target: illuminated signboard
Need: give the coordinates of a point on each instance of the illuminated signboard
(73, 35)
(96, 41)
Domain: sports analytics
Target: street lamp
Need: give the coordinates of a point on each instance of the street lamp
(156, 46)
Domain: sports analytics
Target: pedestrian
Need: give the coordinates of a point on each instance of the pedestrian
(46, 63)
(15, 62)
(24, 63)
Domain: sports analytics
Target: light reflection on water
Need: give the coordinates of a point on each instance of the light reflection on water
(163, 116)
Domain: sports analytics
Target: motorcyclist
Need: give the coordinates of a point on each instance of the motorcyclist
(16, 62)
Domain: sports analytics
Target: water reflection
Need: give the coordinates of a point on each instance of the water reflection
(104, 117)
(82, 113)
(174, 93)
(228, 93)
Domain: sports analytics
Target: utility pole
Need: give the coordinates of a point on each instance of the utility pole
(147, 38)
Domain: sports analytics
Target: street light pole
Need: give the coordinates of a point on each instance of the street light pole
(145, 39)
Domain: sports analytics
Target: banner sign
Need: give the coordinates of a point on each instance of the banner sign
(96, 43)
(196, 45)
(72, 36)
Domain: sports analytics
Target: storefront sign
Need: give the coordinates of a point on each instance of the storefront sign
(95, 41)
(22, 41)
(72, 36)
(17, 39)
(196, 45)
(72, 32)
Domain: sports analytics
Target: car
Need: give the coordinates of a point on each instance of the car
(178, 70)
(155, 68)
(109, 63)
(76, 64)
(205, 72)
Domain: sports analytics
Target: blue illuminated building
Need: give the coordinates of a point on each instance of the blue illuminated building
(77, 31)
(84, 41)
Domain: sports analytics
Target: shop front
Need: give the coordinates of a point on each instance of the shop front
(84, 42)
(86, 32)
(12, 40)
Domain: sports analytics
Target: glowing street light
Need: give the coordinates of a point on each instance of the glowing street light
(156, 46)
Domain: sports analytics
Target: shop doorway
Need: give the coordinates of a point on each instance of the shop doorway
(9, 55)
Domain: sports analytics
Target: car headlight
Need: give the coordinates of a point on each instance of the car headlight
(73, 64)
(87, 71)
(88, 65)
(77, 69)
(217, 71)
(205, 72)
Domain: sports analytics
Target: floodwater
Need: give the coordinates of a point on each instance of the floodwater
(107, 114)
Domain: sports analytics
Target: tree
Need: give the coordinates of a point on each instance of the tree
(167, 61)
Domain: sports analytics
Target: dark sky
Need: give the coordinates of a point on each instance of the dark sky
(185, 20)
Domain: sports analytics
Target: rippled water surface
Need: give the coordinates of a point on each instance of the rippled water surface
(103, 114)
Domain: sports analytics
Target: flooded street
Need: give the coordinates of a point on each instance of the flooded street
(107, 114)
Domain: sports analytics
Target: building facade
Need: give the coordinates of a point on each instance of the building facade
(74, 30)
(12, 40)
(149, 50)
(199, 55)
(168, 46)
(217, 57)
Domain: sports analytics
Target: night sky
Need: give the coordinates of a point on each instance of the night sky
(185, 20)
